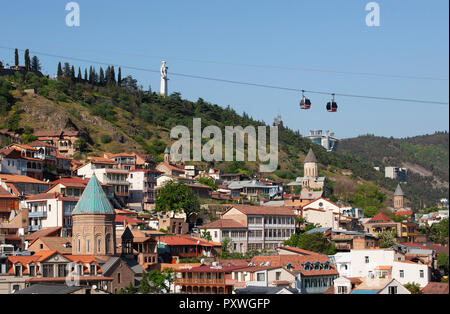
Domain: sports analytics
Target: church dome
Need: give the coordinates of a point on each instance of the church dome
(93, 200)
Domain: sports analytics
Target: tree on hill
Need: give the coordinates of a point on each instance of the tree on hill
(315, 242)
(60, 72)
(209, 182)
(35, 64)
(119, 77)
(177, 197)
(27, 59)
(368, 197)
(16, 57)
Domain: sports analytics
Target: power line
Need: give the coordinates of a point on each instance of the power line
(240, 82)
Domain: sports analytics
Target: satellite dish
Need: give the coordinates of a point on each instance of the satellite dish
(94, 287)
(105, 287)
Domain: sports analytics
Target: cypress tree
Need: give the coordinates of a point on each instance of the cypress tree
(108, 75)
(35, 64)
(16, 57)
(72, 73)
(85, 75)
(60, 72)
(27, 59)
(79, 75)
(119, 77)
(102, 77)
(91, 78)
(113, 76)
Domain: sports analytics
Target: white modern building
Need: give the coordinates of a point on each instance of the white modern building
(327, 140)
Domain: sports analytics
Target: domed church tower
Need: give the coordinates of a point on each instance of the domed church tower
(399, 198)
(311, 168)
(93, 230)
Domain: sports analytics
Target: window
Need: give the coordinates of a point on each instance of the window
(47, 271)
(261, 277)
(118, 278)
(367, 259)
(215, 234)
(32, 270)
(342, 290)
(392, 290)
(402, 274)
(422, 274)
(88, 245)
(17, 270)
(92, 269)
(278, 275)
(62, 271)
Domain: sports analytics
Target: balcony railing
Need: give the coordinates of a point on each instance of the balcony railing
(37, 215)
(34, 228)
(199, 281)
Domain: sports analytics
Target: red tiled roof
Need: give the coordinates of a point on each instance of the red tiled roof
(380, 218)
(45, 232)
(6, 194)
(129, 220)
(15, 178)
(187, 240)
(404, 213)
(296, 261)
(298, 250)
(42, 196)
(436, 288)
(265, 210)
(224, 224)
(101, 160)
(40, 144)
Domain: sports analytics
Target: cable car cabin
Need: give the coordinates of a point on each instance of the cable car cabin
(332, 106)
(305, 103)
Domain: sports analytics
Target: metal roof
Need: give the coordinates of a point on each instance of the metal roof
(94, 200)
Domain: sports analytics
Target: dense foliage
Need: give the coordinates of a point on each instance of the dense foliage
(315, 242)
(177, 197)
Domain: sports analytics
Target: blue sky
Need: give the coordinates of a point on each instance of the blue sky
(264, 42)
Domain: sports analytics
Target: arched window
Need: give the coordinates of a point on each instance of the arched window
(107, 240)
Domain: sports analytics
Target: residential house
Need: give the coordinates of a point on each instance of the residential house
(22, 185)
(379, 223)
(106, 173)
(64, 140)
(314, 273)
(263, 276)
(346, 285)
(205, 280)
(176, 226)
(50, 210)
(254, 227)
(51, 267)
(186, 246)
(142, 187)
(21, 161)
(409, 272)
(8, 203)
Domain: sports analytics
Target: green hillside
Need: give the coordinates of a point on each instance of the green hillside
(115, 117)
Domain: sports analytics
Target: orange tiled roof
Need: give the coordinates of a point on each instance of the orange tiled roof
(298, 250)
(187, 240)
(265, 210)
(224, 224)
(380, 218)
(296, 261)
(16, 178)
